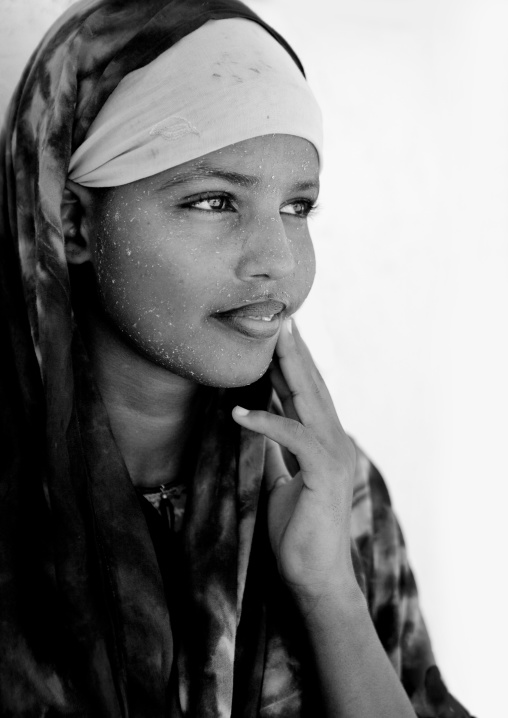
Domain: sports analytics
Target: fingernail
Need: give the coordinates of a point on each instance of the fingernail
(240, 411)
(289, 325)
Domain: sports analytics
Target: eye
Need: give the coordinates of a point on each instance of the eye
(212, 203)
(299, 207)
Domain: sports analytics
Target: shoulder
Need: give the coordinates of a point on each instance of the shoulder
(372, 506)
(381, 562)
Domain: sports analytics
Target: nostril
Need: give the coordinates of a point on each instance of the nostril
(267, 251)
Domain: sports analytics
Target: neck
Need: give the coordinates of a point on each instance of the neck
(152, 412)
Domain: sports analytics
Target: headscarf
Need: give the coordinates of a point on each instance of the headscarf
(226, 82)
(84, 624)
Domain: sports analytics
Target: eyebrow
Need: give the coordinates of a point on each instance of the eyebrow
(238, 178)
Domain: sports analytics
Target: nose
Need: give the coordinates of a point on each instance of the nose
(267, 251)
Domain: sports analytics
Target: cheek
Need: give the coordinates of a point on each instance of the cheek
(132, 271)
(153, 278)
(159, 281)
(309, 263)
(305, 272)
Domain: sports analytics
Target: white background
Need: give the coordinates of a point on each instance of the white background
(407, 319)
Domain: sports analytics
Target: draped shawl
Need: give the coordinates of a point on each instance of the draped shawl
(84, 624)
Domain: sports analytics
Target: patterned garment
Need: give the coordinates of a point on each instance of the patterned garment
(389, 586)
(386, 579)
(91, 625)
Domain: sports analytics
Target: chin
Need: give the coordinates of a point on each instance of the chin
(238, 382)
(226, 377)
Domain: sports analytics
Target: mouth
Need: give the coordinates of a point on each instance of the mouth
(258, 320)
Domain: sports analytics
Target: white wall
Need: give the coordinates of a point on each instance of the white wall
(407, 317)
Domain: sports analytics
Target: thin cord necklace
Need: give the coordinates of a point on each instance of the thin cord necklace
(162, 498)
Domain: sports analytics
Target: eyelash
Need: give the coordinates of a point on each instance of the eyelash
(310, 207)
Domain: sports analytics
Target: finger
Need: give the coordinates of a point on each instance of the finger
(322, 389)
(289, 459)
(284, 490)
(316, 374)
(276, 472)
(312, 406)
(288, 433)
(305, 352)
(280, 385)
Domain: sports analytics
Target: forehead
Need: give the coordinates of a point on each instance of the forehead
(283, 160)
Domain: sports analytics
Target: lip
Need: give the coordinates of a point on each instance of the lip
(253, 328)
(258, 319)
(257, 307)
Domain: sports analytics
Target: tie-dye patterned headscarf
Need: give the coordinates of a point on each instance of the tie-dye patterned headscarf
(84, 624)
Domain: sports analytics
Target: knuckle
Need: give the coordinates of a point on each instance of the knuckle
(316, 391)
(296, 429)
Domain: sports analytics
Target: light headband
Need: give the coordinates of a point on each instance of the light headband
(228, 81)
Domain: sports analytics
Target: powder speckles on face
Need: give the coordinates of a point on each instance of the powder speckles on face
(167, 265)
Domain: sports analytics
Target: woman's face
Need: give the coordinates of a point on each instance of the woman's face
(197, 266)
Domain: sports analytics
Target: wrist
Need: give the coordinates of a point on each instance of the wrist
(340, 599)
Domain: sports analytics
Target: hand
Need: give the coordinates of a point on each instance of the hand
(308, 515)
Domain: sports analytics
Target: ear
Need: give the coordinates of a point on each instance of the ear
(75, 202)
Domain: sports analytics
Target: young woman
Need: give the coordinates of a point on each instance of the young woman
(186, 529)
